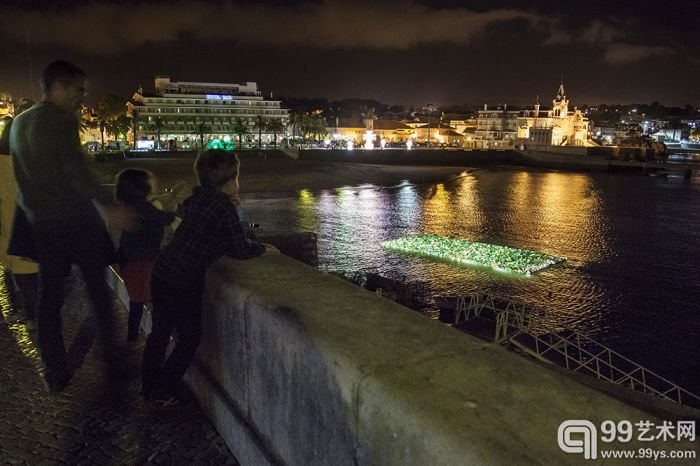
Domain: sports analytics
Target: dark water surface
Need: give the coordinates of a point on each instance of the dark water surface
(632, 243)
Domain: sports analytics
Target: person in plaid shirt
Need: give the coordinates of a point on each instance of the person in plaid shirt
(210, 229)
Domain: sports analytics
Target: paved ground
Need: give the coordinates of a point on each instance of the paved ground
(82, 425)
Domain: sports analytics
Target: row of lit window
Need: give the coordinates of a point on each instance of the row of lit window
(256, 103)
(171, 111)
(191, 121)
(190, 128)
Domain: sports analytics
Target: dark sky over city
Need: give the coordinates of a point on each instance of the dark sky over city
(405, 52)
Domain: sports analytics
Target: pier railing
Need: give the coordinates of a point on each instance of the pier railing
(529, 329)
(508, 314)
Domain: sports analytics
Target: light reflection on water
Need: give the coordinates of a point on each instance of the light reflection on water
(632, 246)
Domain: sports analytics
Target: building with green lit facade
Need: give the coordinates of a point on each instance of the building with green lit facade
(188, 115)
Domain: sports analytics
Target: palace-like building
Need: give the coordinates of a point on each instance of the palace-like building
(184, 113)
(555, 126)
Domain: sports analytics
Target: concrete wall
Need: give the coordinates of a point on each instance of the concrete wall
(574, 160)
(301, 367)
(458, 158)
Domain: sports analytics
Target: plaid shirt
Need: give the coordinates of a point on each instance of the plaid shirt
(210, 229)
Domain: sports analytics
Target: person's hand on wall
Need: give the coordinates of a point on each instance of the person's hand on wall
(269, 248)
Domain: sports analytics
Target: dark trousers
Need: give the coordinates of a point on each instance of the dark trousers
(28, 284)
(22, 291)
(176, 306)
(58, 246)
(134, 324)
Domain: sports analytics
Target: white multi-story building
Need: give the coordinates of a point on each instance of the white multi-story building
(186, 114)
(496, 127)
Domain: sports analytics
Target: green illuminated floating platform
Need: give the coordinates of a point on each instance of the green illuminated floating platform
(462, 251)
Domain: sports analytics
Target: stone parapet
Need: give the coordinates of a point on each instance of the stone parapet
(301, 367)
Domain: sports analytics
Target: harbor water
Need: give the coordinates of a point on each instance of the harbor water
(631, 278)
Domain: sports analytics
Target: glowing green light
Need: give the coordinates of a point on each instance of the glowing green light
(501, 258)
(226, 144)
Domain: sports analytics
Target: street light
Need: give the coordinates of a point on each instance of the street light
(430, 110)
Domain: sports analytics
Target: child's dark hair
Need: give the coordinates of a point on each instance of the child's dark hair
(132, 184)
(216, 167)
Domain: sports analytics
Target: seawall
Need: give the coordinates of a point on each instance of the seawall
(614, 159)
(457, 158)
(300, 367)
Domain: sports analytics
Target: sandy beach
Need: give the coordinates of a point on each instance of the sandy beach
(259, 175)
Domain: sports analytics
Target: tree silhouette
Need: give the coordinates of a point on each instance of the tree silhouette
(202, 129)
(158, 125)
(109, 108)
(135, 118)
(275, 127)
(260, 124)
(240, 129)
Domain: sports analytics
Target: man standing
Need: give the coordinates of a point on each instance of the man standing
(60, 199)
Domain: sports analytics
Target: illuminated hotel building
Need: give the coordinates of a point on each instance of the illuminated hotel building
(183, 112)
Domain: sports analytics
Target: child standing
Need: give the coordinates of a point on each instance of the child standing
(138, 250)
(210, 229)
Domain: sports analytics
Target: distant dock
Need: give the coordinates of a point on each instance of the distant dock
(677, 170)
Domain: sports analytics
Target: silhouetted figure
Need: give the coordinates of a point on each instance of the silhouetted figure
(138, 249)
(60, 199)
(210, 229)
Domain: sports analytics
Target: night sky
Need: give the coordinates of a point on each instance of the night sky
(398, 52)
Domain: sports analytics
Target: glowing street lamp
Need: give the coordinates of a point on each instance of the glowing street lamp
(430, 110)
(369, 139)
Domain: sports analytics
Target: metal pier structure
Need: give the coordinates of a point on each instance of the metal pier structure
(529, 329)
